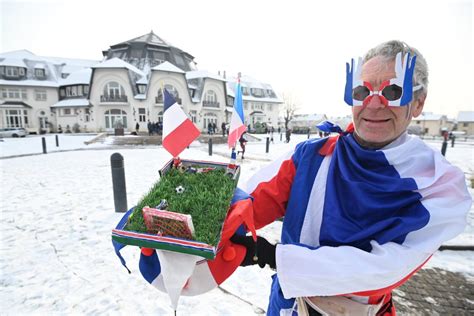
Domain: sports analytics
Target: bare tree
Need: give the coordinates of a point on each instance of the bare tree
(291, 105)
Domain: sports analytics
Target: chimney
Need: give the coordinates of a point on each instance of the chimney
(224, 73)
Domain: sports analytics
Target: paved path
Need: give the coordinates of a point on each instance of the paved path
(435, 292)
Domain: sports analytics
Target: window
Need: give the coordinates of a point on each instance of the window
(179, 60)
(193, 115)
(88, 114)
(62, 92)
(209, 118)
(465, 124)
(14, 93)
(172, 90)
(15, 118)
(141, 88)
(73, 91)
(39, 73)
(210, 99)
(66, 111)
(11, 71)
(257, 92)
(115, 118)
(113, 91)
(141, 115)
(245, 91)
(86, 90)
(211, 96)
(40, 95)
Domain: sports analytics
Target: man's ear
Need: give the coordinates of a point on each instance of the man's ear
(418, 105)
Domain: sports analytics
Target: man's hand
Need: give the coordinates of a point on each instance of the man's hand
(261, 252)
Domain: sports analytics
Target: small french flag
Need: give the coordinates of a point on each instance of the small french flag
(178, 130)
(237, 126)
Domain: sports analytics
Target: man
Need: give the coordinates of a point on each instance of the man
(364, 210)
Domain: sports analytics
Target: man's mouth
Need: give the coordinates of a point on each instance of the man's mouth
(376, 120)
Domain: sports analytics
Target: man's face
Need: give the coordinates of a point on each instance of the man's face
(377, 125)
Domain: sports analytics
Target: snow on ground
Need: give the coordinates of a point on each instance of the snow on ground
(57, 213)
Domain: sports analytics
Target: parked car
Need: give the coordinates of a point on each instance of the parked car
(13, 132)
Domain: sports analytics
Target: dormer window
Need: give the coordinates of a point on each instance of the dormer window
(39, 73)
(14, 72)
(141, 88)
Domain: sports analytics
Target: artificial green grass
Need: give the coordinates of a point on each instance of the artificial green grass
(206, 198)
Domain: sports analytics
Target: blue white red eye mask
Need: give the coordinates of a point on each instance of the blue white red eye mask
(397, 91)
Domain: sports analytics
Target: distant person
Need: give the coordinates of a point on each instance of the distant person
(363, 210)
(209, 128)
(214, 128)
(223, 127)
(149, 125)
(137, 127)
(242, 142)
(288, 134)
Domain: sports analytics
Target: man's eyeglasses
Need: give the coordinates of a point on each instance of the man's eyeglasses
(397, 91)
(387, 92)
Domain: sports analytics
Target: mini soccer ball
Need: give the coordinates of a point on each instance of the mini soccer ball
(179, 189)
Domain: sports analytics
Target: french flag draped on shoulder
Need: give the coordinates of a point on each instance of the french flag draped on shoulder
(178, 130)
(237, 126)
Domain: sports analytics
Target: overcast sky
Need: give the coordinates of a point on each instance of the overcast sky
(299, 47)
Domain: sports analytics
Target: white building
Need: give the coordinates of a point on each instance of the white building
(45, 94)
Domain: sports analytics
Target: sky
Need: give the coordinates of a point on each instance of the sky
(300, 47)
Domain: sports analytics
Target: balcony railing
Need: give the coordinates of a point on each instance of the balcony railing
(160, 100)
(113, 98)
(210, 104)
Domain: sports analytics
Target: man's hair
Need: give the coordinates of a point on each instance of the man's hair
(390, 49)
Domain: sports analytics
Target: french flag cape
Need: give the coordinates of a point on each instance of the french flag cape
(357, 222)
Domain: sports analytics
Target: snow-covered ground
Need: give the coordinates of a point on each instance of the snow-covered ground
(57, 212)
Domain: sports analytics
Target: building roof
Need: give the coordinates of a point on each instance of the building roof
(79, 77)
(117, 63)
(429, 116)
(72, 103)
(167, 66)
(149, 50)
(54, 68)
(15, 104)
(465, 116)
(248, 82)
(150, 38)
(14, 62)
(203, 74)
(309, 117)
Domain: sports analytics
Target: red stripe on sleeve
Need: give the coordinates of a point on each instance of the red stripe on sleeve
(270, 198)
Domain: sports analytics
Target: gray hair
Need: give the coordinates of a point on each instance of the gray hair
(390, 49)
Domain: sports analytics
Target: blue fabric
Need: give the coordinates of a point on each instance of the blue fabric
(168, 100)
(277, 301)
(118, 246)
(149, 266)
(329, 127)
(367, 200)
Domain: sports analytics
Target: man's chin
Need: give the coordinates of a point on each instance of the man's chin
(371, 140)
